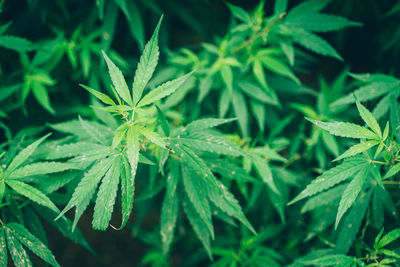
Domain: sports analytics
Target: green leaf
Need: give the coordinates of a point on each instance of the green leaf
(33, 243)
(162, 91)
(118, 80)
(106, 196)
(154, 137)
(203, 124)
(169, 210)
(280, 6)
(345, 129)
(332, 177)
(23, 155)
(331, 260)
(41, 95)
(257, 93)
(389, 238)
(202, 141)
(392, 171)
(196, 192)
(238, 12)
(147, 64)
(265, 172)
(32, 193)
(83, 193)
(369, 119)
(128, 174)
(40, 168)
(199, 226)
(93, 131)
(3, 248)
(102, 97)
(278, 67)
(240, 108)
(17, 252)
(356, 149)
(320, 22)
(314, 43)
(16, 43)
(351, 192)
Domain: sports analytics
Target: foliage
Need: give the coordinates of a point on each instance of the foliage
(208, 149)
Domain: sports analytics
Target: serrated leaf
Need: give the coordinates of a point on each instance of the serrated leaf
(32, 193)
(196, 193)
(358, 148)
(102, 97)
(392, 171)
(41, 95)
(106, 196)
(73, 150)
(389, 238)
(198, 226)
(265, 172)
(162, 91)
(240, 109)
(329, 197)
(17, 252)
(332, 177)
(128, 174)
(147, 64)
(93, 131)
(3, 248)
(33, 243)
(278, 67)
(201, 141)
(169, 210)
(84, 191)
(351, 193)
(320, 22)
(238, 12)
(257, 93)
(229, 170)
(345, 129)
(314, 43)
(16, 43)
(331, 260)
(118, 80)
(154, 137)
(369, 119)
(23, 155)
(40, 168)
(203, 124)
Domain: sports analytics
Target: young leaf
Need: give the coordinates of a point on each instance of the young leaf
(32, 193)
(369, 119)
(118, 80)
(147, 64)
(102, 97)
(33, 243)
(389, 238)
(392, 171)
(152, 136)
(351, 192)
(162, 91)
(356, 149)
(345, 129)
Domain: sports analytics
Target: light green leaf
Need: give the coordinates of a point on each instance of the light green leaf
(240, 109)
(169, 210)
(16, 43)
(331, 260)
(356, 149)
(40, 168)
(345, 129)
(238, 12)
(321, 22)
(152, 136)
(369, 119)
(23, 155)
(332, 177)
(147, 64)
(83, 193)
(392, 171)
(118, 80)
(17, 252)
(41, 95)
(389, 238)
(351, 192)
(33, 243)
(102, 97)
(106, 196)
(203, 124)
(265, 172)
(32, 193)
(162, 91)
(278, 67)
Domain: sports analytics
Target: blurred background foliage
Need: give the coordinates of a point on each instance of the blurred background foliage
(48, 48)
